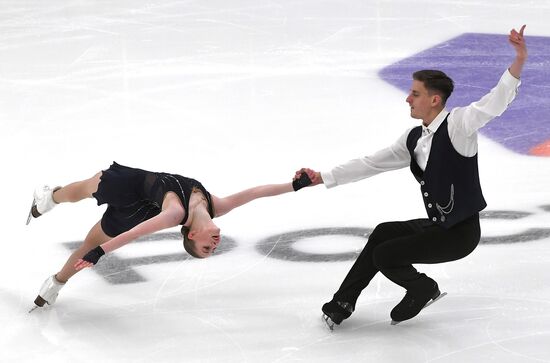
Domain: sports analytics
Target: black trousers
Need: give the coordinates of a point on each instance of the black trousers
(393, 247)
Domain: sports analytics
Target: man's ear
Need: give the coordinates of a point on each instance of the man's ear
(436, 100)
(191, 234)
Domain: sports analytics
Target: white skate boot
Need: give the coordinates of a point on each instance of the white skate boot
(42, 202)
(48, 292)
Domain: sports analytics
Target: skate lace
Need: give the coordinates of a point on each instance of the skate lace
(409, 300)
(346, 306)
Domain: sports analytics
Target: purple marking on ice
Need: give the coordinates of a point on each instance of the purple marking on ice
(475, 62)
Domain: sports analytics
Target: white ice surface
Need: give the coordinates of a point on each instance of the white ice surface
(235, 94)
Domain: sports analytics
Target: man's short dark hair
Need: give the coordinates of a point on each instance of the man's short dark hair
(435, 81)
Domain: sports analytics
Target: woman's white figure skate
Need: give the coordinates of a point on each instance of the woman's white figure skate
(48, 292)
(42, 201)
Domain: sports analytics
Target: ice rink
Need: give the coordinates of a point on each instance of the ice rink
(241, 93)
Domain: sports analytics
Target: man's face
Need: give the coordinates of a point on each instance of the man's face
(420, 100)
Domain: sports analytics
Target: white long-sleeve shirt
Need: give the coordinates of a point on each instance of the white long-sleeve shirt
(463, 123)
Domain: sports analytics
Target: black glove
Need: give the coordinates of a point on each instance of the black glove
(94, 255)
(302, 181)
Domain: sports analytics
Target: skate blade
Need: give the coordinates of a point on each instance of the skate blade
(434, 300)
(439, 297)
(29, 217)
(329, 323)
(33, 308)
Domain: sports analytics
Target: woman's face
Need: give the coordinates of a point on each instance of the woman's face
(206, 240)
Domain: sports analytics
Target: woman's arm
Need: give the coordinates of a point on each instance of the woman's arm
(224, 205)
(171, 216)
(165, 219)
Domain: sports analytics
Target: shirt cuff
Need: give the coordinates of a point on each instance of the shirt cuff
(508, 79)
(328, 179)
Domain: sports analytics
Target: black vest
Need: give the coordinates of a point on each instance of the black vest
(450, 183)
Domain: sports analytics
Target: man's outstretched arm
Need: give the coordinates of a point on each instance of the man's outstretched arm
(518, 42)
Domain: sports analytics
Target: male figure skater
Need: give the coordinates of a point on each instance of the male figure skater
(442, 155)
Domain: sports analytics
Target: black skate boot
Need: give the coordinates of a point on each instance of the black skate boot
(423, 293)
(334, 312)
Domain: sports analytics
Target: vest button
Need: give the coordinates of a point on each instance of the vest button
(429, 205)
(422, 182)
(434, 219)
(426, 194)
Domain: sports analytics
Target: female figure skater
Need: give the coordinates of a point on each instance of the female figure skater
(142, 202)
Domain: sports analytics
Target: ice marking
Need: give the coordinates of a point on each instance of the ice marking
(117, 270)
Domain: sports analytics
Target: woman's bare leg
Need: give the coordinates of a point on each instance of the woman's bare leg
(95, 237)
(77, 191)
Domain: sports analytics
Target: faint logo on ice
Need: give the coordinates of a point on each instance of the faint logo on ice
(286, 246)
(283, 246)
(475, 61)
(117, 270)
